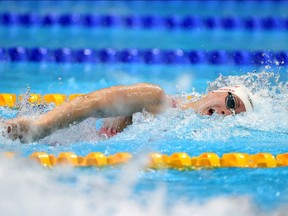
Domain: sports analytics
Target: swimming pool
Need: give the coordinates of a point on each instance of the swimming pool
(131, 189)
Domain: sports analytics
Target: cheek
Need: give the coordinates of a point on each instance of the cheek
(205, 104)
(241, 109)
(215, 102)
(210, 101)
(222, 106)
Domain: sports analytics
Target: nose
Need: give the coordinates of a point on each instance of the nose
(224, 111)
(219, 111)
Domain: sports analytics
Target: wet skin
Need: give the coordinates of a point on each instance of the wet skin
(214, 102)
(119, 102)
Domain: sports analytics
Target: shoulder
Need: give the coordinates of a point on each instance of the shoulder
(147, 85)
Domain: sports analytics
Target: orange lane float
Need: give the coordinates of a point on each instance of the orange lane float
(206, 160)
(57, 99)
(73, 96)
(32, 98)
(282, 159)
(95, 159)
(158, 161)
(235, 160)
(177, 160)
(119, 158)
(10, 100)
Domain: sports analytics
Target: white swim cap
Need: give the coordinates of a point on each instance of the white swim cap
(242, 92)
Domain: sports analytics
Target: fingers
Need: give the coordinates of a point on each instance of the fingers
(18, 131)
(11, 131)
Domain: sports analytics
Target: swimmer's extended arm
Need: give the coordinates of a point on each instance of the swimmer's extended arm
(109, 102)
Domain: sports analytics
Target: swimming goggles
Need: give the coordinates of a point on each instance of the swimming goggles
(230, 102)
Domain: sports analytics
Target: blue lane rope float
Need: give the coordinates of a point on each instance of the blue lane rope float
(145, 56)
(145, 21)
(177, 160)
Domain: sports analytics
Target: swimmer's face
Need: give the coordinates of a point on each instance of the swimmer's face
(215, 102)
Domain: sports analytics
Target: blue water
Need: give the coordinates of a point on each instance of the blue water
(201, 8)
(120, 38)
(83, 78)
(87, 190)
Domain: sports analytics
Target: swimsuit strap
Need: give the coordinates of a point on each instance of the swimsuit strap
(108, 132)
(174, 103)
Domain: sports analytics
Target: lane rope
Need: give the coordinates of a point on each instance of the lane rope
(177, 160)
(145, 21)
(13, 101)
(143, 56)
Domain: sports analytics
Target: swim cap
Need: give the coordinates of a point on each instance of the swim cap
(242, 92)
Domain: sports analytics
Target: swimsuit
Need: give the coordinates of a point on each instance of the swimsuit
(174, 103)
(107, 132)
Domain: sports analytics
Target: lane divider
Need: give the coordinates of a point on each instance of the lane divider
(10, 99)
(145, 22)
(144, 56)
(178, 160)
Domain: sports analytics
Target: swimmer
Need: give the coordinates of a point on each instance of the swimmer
(119, 103)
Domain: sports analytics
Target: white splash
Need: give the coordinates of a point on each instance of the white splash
(28, 189)
(270, 114)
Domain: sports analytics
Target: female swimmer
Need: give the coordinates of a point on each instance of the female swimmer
(121, 102)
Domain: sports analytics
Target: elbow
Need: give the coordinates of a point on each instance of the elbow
(155, 92)
(151, 87)
(158, 92)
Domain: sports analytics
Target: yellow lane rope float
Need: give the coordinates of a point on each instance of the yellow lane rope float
(178, 160)
(10, 100)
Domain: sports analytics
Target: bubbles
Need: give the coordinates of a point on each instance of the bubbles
(256, 82)
(32, 110)
(68, 191)
(82, 132)
(270, 96)
(60, 81)
(178, 130)
(270, 99)
(63, 191)
(187, 125)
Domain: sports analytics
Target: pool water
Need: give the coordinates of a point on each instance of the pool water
(29, 189)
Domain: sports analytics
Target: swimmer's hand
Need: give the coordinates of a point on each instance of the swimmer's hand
(21, 129)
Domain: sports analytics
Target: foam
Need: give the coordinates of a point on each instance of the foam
(54, 193)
